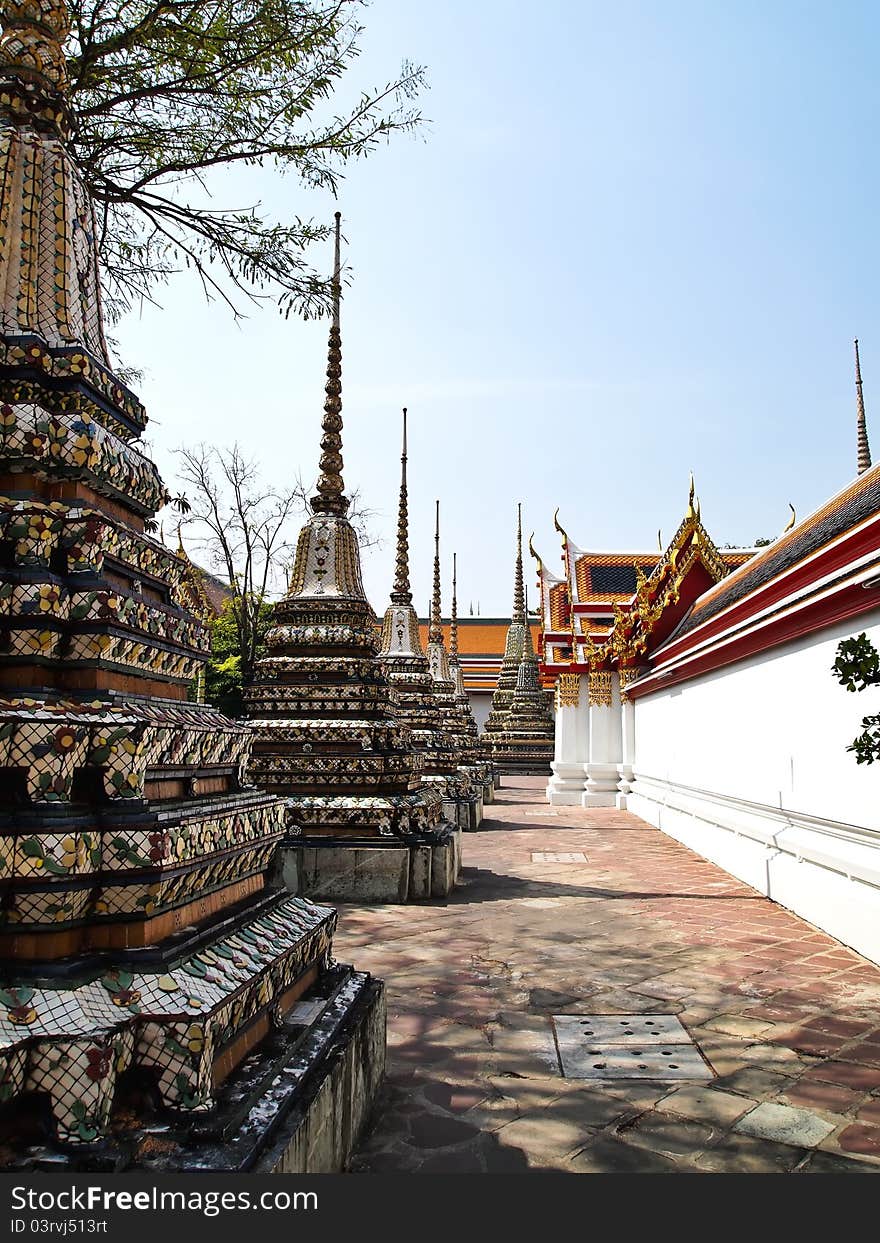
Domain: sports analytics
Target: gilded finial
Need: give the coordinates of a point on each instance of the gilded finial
(558, 525)
(792, 520)
(697, 508)
(435, 630)
(660, 539)
(534, 554)
(34, 83)
(691, 512)
(181, 551)
(518, 601)
(330, 498)
(401, 594)
(863, 448)
(453, 616)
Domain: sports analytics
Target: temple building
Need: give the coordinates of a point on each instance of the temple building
(362, 824)
(523, 741)
(146, 952)
(708, 706)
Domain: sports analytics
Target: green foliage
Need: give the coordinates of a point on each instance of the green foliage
(857, 667)
(762, 541)
(168, 90)
(224, 677)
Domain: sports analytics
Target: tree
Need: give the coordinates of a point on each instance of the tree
(224, 682)
(857, 667)
(245, 529)
(166, 91)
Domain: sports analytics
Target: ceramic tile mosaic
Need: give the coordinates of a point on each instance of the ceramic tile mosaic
(72, 1043)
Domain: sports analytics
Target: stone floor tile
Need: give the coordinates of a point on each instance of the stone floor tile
(755, 1082)
(609, 1156)
(830, 1163)
(706, 1105)
(738, 1025)
(544, 1134)
(746, 1154)
(839, 1026)
(668, 1136)
(785, 1125)
(850, 1074)
(434, 1130)
(870, 1111)
(814, 1094)
(862, 1138)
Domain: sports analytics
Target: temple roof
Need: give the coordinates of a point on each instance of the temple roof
(855, 503)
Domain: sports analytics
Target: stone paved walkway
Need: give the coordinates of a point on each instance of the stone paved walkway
(788, 1019)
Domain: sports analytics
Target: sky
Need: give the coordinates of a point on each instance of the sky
(634, 240)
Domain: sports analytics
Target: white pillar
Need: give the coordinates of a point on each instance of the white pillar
(605, 749)
(625, 769)
(565, 787)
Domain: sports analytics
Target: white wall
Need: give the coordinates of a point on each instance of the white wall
(748, 766)
(773, 729)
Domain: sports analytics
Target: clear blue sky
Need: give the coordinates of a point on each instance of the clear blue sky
(635, 239)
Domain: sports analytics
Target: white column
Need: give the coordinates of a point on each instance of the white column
(625, 768)
(565, 787)
(606, 742)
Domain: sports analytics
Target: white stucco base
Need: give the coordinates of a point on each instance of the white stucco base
(566, 787)
(825, 871)
(749, 767)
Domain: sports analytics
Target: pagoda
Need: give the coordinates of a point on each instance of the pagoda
(513, 649)
(484, 768)
(526, 742)
(448, 711)
(145, 952)
(361, 822)
(519, 678)
(407, 669)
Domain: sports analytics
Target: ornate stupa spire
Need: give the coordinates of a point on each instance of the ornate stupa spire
(864, 449)
(401, 593)
(435, 630)
(518, 598)
(453, 616)
(426, 694)
(331, 733)
(331, 498)
(519, 743)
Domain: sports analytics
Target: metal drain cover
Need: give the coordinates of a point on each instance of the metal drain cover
(558, 856)
(626, 1046)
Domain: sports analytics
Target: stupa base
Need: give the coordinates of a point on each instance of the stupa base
(296, 1106)
(372, 870)
(523, 766)
(467, 813)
